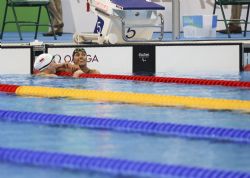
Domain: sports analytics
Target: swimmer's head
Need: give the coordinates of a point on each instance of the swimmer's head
(77, 50)
(79, 56)
(43, 61)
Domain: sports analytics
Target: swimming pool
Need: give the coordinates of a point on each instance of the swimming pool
(170, 150)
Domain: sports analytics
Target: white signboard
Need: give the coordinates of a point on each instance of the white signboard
(15, 60)
(198, 59)
(107, 60)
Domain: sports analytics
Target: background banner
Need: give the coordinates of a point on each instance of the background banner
(211, 59)
(108, 60)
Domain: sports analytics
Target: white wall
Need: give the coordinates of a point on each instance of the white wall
(182, 59)
(199, 59)
(78, 20)
(15, 60)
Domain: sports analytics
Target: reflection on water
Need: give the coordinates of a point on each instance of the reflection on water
(170, 150)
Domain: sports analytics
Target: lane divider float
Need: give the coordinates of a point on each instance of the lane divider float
(129, 126)
(110, 165)
(156, 79)
(131, 98)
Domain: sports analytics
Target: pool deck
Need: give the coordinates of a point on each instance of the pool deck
(11, 38)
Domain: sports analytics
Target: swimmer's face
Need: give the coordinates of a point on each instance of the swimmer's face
(80, 58)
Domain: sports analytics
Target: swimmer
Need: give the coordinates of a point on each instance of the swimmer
(79, 57)
(70, 68)
(44, 65)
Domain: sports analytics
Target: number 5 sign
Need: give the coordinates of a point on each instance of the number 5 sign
(99, 25)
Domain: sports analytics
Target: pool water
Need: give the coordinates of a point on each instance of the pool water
(203, 153)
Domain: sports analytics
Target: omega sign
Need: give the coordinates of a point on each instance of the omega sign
(92, 58)
(143, 56)
(67, 58)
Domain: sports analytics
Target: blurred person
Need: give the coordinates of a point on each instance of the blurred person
(234, 26)
(55, 11)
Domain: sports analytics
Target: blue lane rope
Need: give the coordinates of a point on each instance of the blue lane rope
(110, 165)
(144, 127)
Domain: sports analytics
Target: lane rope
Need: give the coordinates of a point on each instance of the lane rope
(8, 88)
(156, 79)
(133, 126)
(132, 98)
(110, 165)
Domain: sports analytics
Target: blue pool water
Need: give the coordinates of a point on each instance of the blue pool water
(123, 145)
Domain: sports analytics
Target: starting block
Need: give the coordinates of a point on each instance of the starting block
(121, 21)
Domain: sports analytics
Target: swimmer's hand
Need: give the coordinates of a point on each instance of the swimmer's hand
(71, 67)
(45, 75)
(77, 73)
(74, 68)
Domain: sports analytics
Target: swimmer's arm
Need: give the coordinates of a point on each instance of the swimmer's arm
(45, 75)
(69, 66)
(94, 71)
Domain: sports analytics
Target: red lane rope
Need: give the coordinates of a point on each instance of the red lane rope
(8, 88)
(192, 81)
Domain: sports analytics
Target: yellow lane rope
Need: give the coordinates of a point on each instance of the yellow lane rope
(136, 98)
